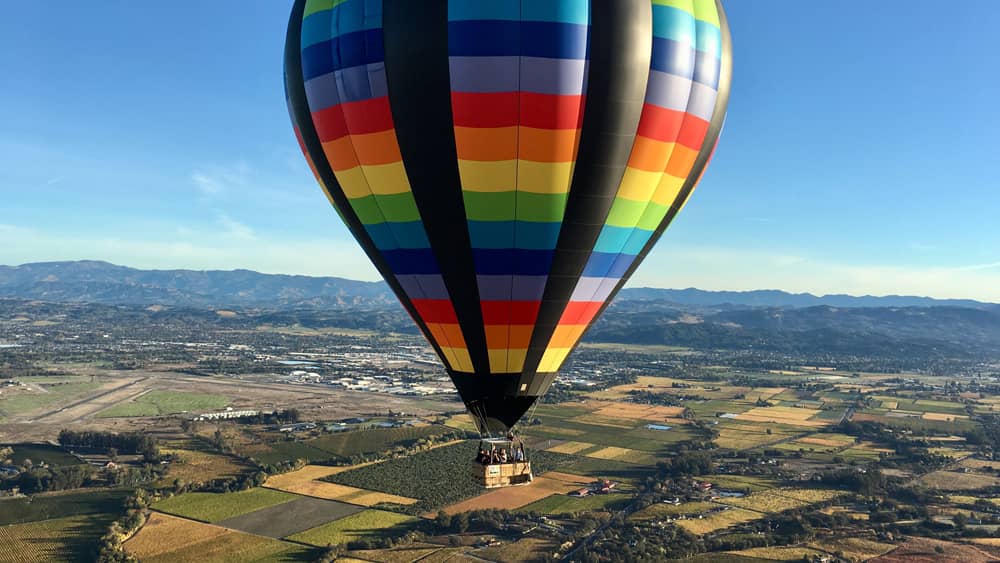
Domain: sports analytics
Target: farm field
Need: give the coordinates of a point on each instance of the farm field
(365, 524)
(853, 548)
(661, 511)
(73, 538)
(793, 416)
(159, 403)
(736, 435)
(718, 520)
(197, 466)
(740, 482)
(375, 440)
(417, 551)
(922, 550)
(791, 553)
(563, 504)
(213, 507)
(527, 549)
(306, 481)
(444, 475)
(461, 422)
(957, 481)
(344, 444)
(571, 447)
(157, 542)
(516, 497)
(58, 505)
(779, 500)
(289, 518)
(42, 453)
(632, 435)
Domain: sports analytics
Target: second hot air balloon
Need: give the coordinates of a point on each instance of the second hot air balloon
(507, 164)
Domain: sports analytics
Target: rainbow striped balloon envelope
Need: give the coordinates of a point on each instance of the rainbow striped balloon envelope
(507, 164)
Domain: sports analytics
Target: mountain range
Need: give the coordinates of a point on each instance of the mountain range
(100, 282)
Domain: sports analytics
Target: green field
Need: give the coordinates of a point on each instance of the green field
(158, 403)
(213, 507)
(347, 444)
(924, 405)
(660, 511)
(607, 469)
(58, 505)
(913, 423)
(365, 524)
(563, 504)
(58, 394)
(282, 451)
(740, 482)
(636, 438)
(376, 440)
(41, 453)
(73, 538)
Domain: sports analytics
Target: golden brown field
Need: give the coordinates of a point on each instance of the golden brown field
(633, 411)
(828, 440)
(791, 553)
(956, 481)
(516, 497)
(718, 520)
(570, 447)
(195, 466)
(305, 482)
(610, 452)
(922, 550)
(943, 416)
(154, 538)
(794, 416)
(858, 549)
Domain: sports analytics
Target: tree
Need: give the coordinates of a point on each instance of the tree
(460, 522)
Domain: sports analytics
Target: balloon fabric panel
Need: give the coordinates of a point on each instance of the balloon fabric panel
(680, 100)
(518, 73)
(344, 71)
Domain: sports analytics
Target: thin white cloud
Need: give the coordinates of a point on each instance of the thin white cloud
(235, 229)
(216, 180)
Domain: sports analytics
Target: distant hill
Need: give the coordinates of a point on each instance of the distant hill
(101, 282)
(776, 298)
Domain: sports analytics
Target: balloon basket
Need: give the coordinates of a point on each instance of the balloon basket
(503, 474)
(508, 472)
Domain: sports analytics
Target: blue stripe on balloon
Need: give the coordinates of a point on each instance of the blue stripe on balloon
(355, 49)
(518, 262)
(606, 264)
(411, 261)
(507, 38)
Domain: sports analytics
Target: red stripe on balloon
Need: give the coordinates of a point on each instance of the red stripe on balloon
(510, 312)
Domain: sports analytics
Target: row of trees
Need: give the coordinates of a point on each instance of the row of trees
(110, 442)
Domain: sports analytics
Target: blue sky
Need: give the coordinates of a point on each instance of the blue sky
(860, 153)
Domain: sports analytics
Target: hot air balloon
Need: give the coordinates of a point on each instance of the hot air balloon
(506, 164)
